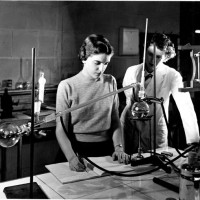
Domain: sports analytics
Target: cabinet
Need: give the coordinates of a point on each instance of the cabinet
(46, 147)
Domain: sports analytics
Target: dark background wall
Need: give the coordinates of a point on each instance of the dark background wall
(57, 28)
(84, 18)
(189, 22)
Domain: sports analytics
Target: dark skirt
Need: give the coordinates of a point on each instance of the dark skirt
(95, 149)
(89, 149)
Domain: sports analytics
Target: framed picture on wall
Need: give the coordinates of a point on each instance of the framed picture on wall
(128, 41)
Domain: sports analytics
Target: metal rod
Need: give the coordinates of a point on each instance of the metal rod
(19, 158)
(154, 133)
(32, 122)
(198, 68)
(3, 164)
(53, 116)
(150, 137)
(144, 54)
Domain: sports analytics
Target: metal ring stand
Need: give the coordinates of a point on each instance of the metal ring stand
(30, 190)
(139, 155)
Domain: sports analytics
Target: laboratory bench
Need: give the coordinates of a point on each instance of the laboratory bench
(141, 187)
(138, 188)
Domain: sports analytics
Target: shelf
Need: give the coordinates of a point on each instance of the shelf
(189, 89)
(14, 92)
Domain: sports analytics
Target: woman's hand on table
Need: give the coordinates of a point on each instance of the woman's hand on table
(121, 156)
(77, 164)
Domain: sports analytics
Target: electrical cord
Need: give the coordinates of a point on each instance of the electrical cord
(121, 173)
(176, 169)
(70, 136)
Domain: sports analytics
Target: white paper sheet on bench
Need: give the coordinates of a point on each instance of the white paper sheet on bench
(62, 172)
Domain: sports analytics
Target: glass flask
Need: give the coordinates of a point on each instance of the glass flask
(20, 82)
(9, 134)
(140, 109)
(28, 83)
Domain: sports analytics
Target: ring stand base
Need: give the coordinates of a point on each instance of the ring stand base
(154, 159)
(23, 192)
(138, 157)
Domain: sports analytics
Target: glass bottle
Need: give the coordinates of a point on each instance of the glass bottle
(190, 178)
(41, 85)
(40, 97)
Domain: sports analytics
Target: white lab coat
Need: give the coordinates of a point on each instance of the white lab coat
(168, 80)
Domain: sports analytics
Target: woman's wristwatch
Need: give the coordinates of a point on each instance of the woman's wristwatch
(118, 145)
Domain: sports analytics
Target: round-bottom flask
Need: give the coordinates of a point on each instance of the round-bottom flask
(140, 109)
(20, 82)
(9, 134)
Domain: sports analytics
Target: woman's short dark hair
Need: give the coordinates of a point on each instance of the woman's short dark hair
(95, 44)
(163, 43)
